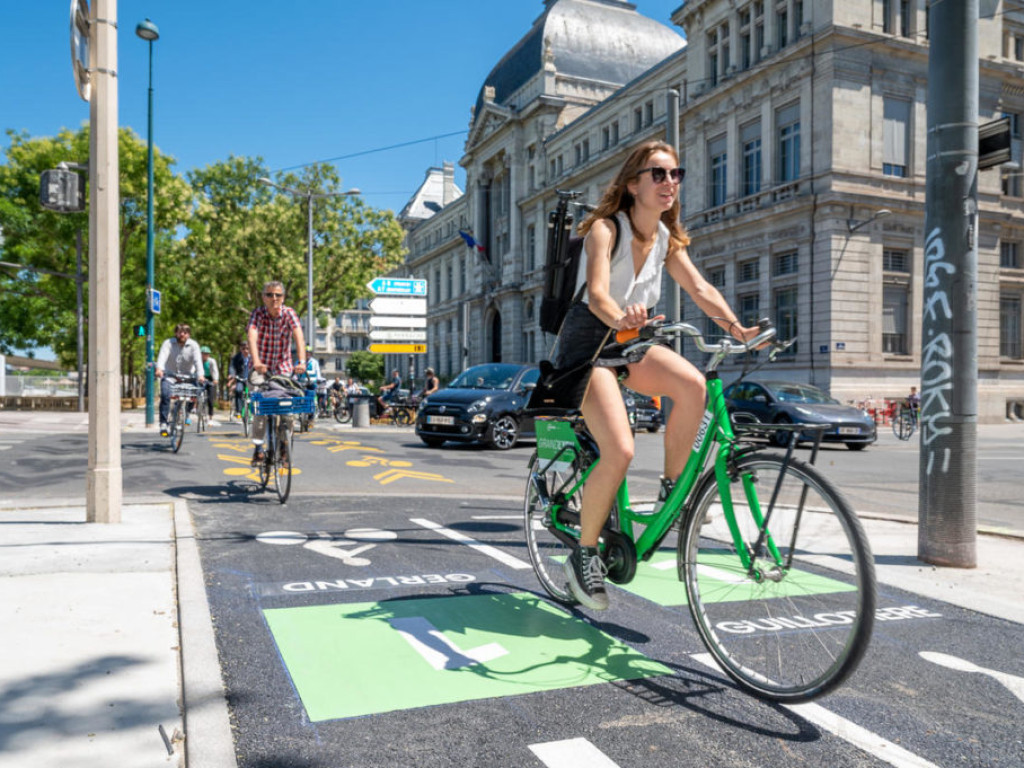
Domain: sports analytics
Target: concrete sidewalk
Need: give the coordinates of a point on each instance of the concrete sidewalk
(107, 650)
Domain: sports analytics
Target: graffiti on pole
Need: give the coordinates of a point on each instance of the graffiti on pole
(937, 355)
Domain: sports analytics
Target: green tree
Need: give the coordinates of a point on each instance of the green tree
(37, 309)
(366, 366)
(243, 233)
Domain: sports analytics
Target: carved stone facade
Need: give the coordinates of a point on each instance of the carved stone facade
(802, 122)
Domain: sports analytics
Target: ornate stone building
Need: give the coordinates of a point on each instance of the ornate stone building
(802, 128)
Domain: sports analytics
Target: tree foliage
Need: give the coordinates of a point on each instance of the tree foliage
(219, 234)
(366, 367)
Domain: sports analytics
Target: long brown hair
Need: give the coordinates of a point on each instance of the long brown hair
(617, 198)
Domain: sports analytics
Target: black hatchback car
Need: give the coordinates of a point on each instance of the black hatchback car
(787, 402)
(483, 403)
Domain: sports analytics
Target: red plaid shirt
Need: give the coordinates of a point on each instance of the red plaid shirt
(274, 338)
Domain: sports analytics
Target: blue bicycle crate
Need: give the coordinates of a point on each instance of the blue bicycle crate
(267, 406)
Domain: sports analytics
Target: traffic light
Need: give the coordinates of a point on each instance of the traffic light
(140, 330)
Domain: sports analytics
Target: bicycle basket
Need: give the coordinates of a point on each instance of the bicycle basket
(267, 406)
(184, 390)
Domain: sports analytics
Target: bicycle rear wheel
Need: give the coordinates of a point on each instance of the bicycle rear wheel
(403, 416)
(791, 632)
(342, 413)
(547, 551)
(282, 469)
(178, 425)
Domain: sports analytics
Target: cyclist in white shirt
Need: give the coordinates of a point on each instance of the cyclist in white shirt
(179, 357)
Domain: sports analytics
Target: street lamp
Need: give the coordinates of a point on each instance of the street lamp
(851, 227)
(310, 196)
(148, 31)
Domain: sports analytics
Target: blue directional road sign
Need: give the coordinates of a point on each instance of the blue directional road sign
(154, 301)
(398, 286)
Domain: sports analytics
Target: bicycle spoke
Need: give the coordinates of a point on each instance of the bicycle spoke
(548, 552)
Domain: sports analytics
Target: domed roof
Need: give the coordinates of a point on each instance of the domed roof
(603, 40)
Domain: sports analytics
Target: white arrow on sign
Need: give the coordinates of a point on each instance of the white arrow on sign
(398, 335)
(395, 306)
(383, 321)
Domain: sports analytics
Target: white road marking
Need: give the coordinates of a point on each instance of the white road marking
(439, 651)
(485, 549)
(857, 735)
(572, 753)
(1013, 683)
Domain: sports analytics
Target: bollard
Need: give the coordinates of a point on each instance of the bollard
(361, 412)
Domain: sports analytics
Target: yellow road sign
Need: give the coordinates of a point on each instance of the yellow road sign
(397, 349)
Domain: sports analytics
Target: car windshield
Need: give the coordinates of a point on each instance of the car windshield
(492, 376)
(801, 393)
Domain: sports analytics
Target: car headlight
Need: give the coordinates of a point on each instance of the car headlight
(477, 407)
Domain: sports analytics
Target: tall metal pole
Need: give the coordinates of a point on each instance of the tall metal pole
(309, 272)
(104, 476)
(150, 258)
(80, 318)
(947, 512)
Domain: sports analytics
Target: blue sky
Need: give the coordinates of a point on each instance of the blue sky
(293, 82)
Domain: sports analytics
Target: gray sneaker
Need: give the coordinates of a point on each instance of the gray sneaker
(585, 571)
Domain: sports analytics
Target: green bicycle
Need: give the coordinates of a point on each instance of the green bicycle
(778, 574)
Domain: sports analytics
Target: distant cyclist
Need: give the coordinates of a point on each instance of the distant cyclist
(271, 330)
(179, 357)
(913, 402)
(212, 373)
(430, 383)
(238, 374)
(389, 391)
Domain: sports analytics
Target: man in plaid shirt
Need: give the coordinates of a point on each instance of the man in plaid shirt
(271, 330)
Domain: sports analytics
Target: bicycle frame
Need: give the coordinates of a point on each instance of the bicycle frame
(715, 428)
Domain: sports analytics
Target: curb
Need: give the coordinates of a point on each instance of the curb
(209, 742)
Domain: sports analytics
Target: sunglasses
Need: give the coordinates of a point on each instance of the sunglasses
(658, 174)
(270, 295)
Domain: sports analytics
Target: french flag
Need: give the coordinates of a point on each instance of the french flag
(470, 242)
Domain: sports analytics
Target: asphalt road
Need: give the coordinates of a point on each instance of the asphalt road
(386, 616)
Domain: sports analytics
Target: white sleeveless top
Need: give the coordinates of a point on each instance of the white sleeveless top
(625, 286)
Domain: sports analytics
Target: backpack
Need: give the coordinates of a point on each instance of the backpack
(563, 262)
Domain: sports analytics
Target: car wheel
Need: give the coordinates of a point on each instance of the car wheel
(856, 446)
(432, 442)
(503, 432)
(781, 437)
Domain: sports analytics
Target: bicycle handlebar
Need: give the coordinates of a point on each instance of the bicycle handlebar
(652, 333)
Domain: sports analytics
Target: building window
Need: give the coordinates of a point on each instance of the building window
(758, 29)
(787, 127)
(462, 275)
(785, 316)
(748, 271)
(1009, 326)
(894, 319)
(782, 27)
(784, 264)
(531, 248)
(1012, 180)
(717, 157)
(606, 137)
(448, 282)
(750, 309)
(1009, 254)
(895, 261)
(716, 277)
(638, 120)
(750, 140)
(712, 78)
(896, 17)
(615, 133)
(798, 17)
(747, 55)
(895, 136)
(648, 113)
(339, 342)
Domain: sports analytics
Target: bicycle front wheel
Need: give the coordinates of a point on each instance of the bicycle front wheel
(178, 426)
(403, 417)
(903, 424)
(246, 417)
(546, 496)
(283, 470)
(796, 624)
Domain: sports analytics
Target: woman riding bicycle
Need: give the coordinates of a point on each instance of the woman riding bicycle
(623, 284)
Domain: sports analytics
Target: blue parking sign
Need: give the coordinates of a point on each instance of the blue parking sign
(154, 301)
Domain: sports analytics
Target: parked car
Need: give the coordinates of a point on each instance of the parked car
(483, 403)
(644, 412)
(786, 402)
